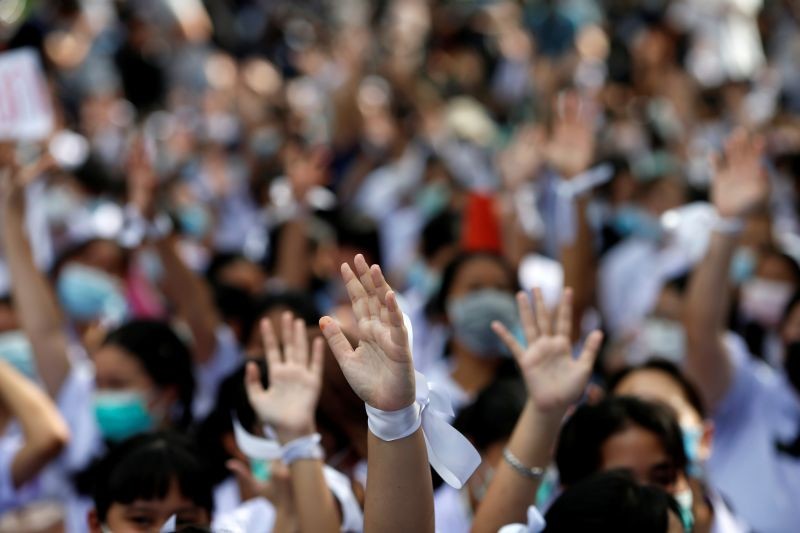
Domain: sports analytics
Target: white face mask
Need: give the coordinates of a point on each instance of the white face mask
(664, 338)
(764, 300)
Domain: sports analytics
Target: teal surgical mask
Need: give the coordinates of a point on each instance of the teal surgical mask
(743, 265)
(471, 317)
(122, 414)
(194, 220)
(260, 468)
(685, 500)
(632, 221)
(88, 294)
(432, 199)
(15, 349)
(692, 438)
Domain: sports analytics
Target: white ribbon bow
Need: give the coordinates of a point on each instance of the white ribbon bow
(536, 523)
(450, 454)
(307, 447)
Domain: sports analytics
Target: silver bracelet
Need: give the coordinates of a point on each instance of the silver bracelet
(530, 473)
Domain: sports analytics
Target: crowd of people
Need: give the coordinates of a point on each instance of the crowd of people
(403, 266)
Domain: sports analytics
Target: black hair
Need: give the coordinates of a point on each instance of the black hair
(220, 261)
(231, 401)
(145, 467)
(669, 368)
(791, 304)
(438, 304)
(442, 230)
(235, 305)
(611, 502)
(579, 449)
(299, 303)
(164, 356)
(491, 418)
(74, 251)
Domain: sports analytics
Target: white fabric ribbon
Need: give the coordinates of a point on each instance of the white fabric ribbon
(567, 191)
(307, 447)
(450, 454)
(536, 523)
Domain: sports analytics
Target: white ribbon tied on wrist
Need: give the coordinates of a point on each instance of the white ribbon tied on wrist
(307, 447)
(450, 454)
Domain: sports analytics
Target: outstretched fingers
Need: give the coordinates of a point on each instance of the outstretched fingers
(590, 349)
(252, 381)
(338, 343)
(541, 313)
(508, 339)
(527, 318)
(317, 357)
(564, 315)
(365, 276)
(359, 298)
(272, 350)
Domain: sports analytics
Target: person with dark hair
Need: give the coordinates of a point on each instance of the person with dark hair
(488, 423)
(477, 289)
(147, 480)
(143, 373)
(610, 501)
(755, 407)
(661, 381)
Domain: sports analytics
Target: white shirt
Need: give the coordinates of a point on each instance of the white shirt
(760, 408)
(452, 511)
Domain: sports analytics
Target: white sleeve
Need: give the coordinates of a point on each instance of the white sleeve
(226, 359)
(352, 516)
(257, 514)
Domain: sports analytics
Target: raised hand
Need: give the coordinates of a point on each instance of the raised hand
(554, 378)
(295, 380)
(740, 183)
(14, 178)
(380, 370)
(570, 149)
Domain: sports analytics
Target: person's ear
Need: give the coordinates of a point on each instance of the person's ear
(706, 441)
(94, 522)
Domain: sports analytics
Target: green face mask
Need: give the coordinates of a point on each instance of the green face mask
(122, 414)
(260, 469)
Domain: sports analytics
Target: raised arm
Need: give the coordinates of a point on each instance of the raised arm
(44, 431)
(570, 151)
(187, 291)
(34, 299)
(740, 185)
(288, 406)
(380, 370)
(555, 381)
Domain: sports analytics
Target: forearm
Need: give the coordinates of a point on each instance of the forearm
(36, 305)
(510, 493)
(399, 487)
(706, 312)
(316, 507)
(578, 261)
(43, 428)
(192, 298)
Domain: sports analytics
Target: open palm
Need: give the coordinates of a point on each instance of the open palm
(571, 146)
(380, 369)
(295, 380)
(554, 378)
(740, 183)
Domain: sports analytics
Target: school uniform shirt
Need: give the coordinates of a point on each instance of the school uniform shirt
(452, 510)
(760, 409)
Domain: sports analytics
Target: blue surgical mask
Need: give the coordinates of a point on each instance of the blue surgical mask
(743, 265)
(87, 294)
(632, 221)
(122, 414)
(423, 279)
(471, 317)
(692, 438)
(194, 220)
(15, 349)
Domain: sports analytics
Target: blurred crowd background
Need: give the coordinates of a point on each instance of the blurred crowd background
(462, 145)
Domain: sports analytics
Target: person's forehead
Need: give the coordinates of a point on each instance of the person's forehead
(655, 385)
(635, 448)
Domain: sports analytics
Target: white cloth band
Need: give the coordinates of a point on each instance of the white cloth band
(567, 191)
(536, 523)
(307, 447)
(728, 226)
(450, 454)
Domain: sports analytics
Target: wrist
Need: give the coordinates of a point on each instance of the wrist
(287, 434)
(548, 416)
(728, 225)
